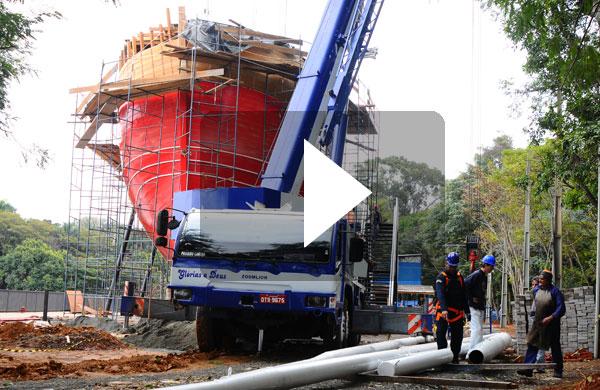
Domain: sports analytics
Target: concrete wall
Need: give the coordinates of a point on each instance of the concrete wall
(576, 327)
(33, 301)
(14, 300)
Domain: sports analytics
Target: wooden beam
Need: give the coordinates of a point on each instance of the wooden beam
(282, 69)
(162, 33)
(217, 87)
(498, 366)
(88, 134)
(182, 20)
(89, 97)
(437, 381)
(143, 82)
(275, 48)
(141, 34)
(169, 33)
(246, 31)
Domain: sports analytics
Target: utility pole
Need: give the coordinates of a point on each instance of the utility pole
(393, 258)
(557, 235)
(504, 292)
(597, 311)
(489, 299)
(526, 228)
(557, 223)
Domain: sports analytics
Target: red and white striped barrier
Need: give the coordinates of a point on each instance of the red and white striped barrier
(430, 307)
(414, 323)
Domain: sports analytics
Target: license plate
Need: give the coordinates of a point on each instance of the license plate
(277, 299)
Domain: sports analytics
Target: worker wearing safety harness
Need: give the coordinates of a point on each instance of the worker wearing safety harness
(451, 307)
(476, 289)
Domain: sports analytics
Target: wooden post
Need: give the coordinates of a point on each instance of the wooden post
(169, 32)
(181, 25)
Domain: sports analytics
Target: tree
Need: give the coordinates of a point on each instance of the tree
(5, 206)
(416, 185)
(500, 221)
(17, 33)
(14, 230)
(32, 265)
(562, 42)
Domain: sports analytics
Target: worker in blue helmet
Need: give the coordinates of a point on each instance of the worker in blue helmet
(476, 284)
(451, 306)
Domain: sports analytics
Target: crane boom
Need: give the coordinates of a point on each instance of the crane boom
(321, 94)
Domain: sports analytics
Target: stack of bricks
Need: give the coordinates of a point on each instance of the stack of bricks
(576, 327)
(521, 309)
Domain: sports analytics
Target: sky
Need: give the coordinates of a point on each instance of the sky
(433, 56)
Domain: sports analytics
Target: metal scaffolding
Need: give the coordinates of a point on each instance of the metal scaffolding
(142, 134)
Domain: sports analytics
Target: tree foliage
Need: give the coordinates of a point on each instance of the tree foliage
(32, 265)
(562, 42)
(17, 34)
(501, 187)
(416, 185)
(5, 206)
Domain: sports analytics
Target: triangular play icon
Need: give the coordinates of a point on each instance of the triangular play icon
(329, 193)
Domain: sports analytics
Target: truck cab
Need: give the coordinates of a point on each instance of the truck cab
(248, 273)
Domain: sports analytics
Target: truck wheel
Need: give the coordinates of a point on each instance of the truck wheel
(341, 336)
(205, 331)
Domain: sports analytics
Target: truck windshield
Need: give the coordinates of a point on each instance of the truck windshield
(250, 235)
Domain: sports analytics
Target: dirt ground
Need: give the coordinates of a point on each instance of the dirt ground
(92, 358)
(30, 353)
(27, 336)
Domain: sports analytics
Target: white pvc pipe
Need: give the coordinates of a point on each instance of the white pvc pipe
(415, 362)
(420, 357)
(489, 348)
(299, 374)
(375, 347)
(329, 365)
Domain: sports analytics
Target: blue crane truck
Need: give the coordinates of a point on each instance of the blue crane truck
(247, 270)
(239, 255)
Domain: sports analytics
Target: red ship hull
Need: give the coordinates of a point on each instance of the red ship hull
(181, 141)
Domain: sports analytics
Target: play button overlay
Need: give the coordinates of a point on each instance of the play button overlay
(329, 193)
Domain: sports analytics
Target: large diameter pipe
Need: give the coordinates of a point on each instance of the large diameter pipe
(323, 367)
(375, 347)
(299, 374)
(490, 348)
(419, 358)
(415, 362)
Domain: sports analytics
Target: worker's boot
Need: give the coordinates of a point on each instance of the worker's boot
(558, 374)
(455, 360)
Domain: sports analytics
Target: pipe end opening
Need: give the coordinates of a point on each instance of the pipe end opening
(475, 357)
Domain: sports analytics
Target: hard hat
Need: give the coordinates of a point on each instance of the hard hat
(452, 259)
(489, 260)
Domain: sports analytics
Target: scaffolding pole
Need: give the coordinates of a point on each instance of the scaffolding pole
(119, 263)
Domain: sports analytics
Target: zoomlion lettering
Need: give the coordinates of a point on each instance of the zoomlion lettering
(255, 277)
(184, 273)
